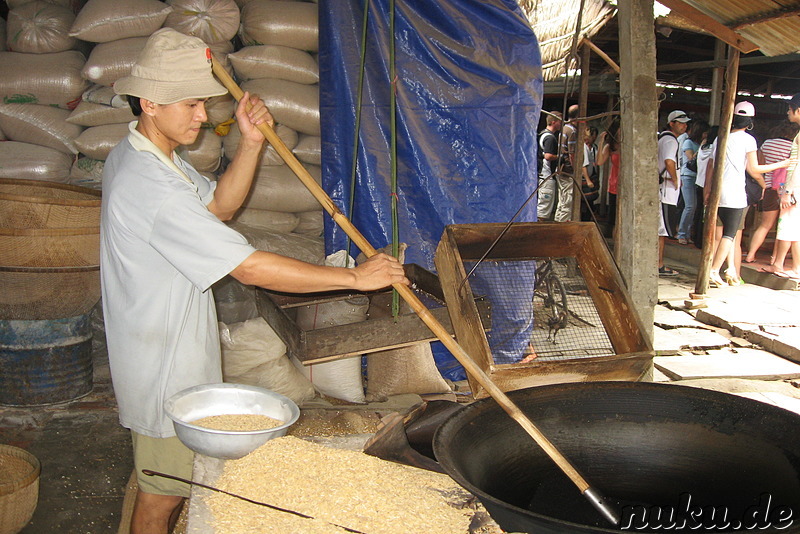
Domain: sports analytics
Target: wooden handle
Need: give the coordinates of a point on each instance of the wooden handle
(408, 295)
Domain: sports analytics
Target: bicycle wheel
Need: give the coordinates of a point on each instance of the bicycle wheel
(555, 302)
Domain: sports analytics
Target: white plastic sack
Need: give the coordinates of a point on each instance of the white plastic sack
(101, 94)
(277, 188)
(205, 153)
(292, 24)
(210, 20)
(40, 125)
(300, 247)
(39, 27)
(309, 149)
(27, 161)
(269, 155)
(220, 109)
(275, 221)
(87, 172)
(340, 379)
(310, 223)
(294, 104)
(252, 353)
(49, 79)
(113, 60)
(234, 301)
(100, 21)
(89, 114)
(273, 61)
(98, 141)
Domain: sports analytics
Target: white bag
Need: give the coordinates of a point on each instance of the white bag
(275, 221)
(273, 61)
(88, 114)
(294, 104)
(210, 20)
(34, 162)
(98, 141)
(273, 22)
(277, 188)
(112, 60)
(40, 125)
(39, 27)
(48, 79)
(269, 155)
(101, 21)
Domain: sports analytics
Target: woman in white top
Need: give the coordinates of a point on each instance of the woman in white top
(740, 156)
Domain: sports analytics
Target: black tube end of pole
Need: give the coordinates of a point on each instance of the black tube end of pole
(599, 502)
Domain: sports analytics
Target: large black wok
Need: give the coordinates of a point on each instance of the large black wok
(652, 449)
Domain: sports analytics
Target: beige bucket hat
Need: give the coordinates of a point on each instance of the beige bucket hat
(172, 67)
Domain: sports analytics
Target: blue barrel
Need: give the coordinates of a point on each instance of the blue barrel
(45, 361)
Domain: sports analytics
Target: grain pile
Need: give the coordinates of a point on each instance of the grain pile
(240, 422)
(336, 487)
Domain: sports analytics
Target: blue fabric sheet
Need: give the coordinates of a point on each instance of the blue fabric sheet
(469, 92)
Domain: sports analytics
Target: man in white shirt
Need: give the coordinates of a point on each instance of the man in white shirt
(669, 183)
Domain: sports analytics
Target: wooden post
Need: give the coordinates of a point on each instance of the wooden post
(638, 201)
(732, 76)
(716, 84)
(583, 103)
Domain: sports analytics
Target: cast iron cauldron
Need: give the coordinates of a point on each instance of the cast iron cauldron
(667, 456)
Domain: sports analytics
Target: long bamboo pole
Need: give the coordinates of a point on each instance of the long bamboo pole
(591, 494)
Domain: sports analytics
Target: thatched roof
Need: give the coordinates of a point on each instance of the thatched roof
(554, 23)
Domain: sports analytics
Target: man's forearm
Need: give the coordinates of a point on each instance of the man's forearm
(235, 183)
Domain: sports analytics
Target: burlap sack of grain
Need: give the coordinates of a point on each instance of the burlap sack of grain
(274, 22)
(87, 172)
(304, 248)
(205, 153)
(310, 223)
(210, 20)
(2, 135)
(40, 27)
(101, 94)
(96, 142)
(27, 161)
(112, 60)
(101, 21)
(277, 188)
(294, 104)
(270, 156)
(40, 125)
(72, 5)
(273, 61)
(340, 379)
(275, 221)
(399, 371)
(88, 114)
(309, 149)
(48, 79)
(220, 109)
(252, 353)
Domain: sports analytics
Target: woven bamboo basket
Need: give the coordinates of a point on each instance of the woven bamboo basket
(50, 247)
(19, 488)
(41, 204)
(48, 293)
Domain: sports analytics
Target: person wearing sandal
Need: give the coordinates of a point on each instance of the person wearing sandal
(740, 156)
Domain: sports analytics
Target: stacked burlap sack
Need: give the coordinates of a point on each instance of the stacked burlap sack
(40, 84)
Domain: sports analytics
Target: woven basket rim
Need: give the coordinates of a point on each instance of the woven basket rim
(48, 232)
(44, 184)
(45, 270)
(8, 488)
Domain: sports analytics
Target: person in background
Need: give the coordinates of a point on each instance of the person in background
(568, 142)
(689, 147)
(669, 183)
(590, 183)
(789, 219)
(548, 163)
(776, 148)
(704, 170)
(740, 157)
(163, 244)
(609, 152)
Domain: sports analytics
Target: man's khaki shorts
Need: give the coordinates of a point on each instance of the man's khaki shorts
(165, 455)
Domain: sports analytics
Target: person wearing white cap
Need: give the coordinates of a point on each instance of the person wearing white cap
(669, 183)
(163, 244)
(740, 156)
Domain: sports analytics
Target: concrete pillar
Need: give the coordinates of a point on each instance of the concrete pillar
(636, 249)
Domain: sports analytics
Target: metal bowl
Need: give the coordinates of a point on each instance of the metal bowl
(221, 399)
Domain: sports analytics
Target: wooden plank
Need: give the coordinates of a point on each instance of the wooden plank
(461, 306)
(622, 367)
(521, 241)
(343, 341)
(717, 29)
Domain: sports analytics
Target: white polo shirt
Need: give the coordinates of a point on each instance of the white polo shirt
(160, 251)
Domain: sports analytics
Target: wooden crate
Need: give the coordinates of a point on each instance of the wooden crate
(631, 352)
(343, 341)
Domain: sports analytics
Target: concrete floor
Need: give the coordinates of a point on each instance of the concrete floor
(86, 455)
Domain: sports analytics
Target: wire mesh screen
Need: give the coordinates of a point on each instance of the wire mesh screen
(541, 309)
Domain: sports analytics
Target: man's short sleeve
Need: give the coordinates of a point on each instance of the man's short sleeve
(195, 242)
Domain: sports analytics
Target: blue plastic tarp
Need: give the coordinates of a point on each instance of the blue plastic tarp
(468, 95)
